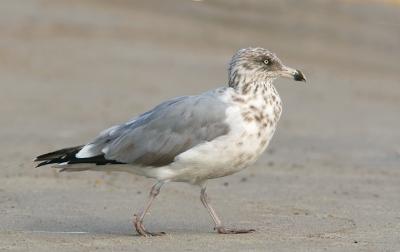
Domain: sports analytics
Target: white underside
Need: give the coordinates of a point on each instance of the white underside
(223, 156)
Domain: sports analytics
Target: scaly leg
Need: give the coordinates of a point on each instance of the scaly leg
(218, 224)
(138, 218)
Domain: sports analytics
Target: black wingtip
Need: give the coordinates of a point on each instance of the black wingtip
(57, 156)
(43, 163)
(58, 153)
(68, 156)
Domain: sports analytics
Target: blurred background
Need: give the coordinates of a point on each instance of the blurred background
(330, 178)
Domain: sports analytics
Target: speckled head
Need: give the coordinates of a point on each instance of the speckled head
(251, 65)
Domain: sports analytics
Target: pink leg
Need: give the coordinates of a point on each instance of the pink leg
(138, 218)
(218, 224)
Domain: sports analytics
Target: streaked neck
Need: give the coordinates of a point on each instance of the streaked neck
(253, 87)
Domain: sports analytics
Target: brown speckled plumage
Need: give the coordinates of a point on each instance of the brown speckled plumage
(192, 138)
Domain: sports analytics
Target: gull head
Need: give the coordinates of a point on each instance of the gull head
(257, 64)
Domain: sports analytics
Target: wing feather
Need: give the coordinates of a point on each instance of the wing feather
(156, 137)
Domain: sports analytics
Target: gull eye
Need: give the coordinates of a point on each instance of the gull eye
(266, 62)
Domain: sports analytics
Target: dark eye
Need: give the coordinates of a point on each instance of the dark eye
(266, 61)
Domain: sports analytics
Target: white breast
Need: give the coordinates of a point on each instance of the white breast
(252, 124)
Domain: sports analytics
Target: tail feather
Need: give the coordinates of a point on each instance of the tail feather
(68, 156)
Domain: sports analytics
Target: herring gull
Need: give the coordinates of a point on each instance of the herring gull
(192, 138)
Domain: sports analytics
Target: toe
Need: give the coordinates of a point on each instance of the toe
(157, 233)
(222, 230)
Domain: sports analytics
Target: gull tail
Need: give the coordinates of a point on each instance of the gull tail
(66, 158)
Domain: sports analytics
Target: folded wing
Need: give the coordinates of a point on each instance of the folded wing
(155, 138)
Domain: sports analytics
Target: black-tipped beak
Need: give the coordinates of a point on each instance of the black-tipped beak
(291, 73)
(299, 76)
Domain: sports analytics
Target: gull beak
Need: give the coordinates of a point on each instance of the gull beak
(291, 73)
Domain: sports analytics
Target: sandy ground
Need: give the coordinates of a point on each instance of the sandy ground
(330, 180)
